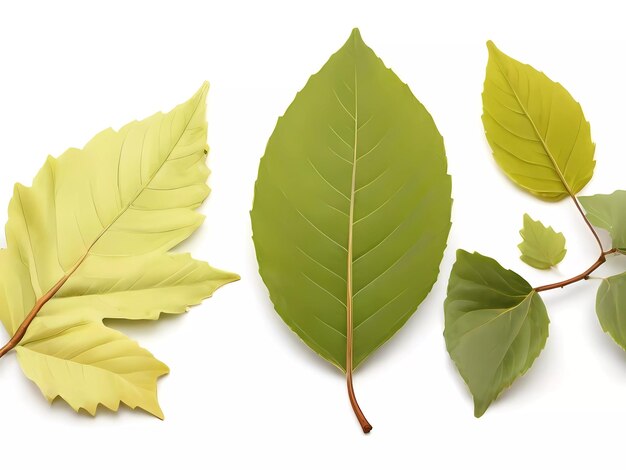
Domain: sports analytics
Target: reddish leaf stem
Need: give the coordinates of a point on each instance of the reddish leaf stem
(584, 275)
(365, 425)
(599, 262)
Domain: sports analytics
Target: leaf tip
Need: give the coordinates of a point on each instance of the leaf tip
(202, 92)
(479, 410)
(231, 277)
(481, 404)
(355, 37)
(494, 52)
(158, 413)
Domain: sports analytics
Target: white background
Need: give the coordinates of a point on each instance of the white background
(244, 391)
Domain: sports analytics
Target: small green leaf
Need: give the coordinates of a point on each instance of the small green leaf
(542, 247)
(537, 131)
(608, 211)
(496, 325)
(611, 307)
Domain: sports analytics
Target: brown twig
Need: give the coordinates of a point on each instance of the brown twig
(599, 262)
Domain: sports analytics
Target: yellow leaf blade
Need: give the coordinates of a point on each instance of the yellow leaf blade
(89, 240)
(167, 283)
(537, 132)
(89, 364)
(16, 293)
(107, 200)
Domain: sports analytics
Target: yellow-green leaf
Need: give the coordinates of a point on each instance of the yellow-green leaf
(496, 326)
(352, 206)
(542, 247)
(537, 131)
(351, 209)
(90, 240)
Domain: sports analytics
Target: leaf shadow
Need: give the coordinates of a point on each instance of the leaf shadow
(141, 326)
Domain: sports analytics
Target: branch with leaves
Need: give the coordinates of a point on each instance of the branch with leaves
(496, 324)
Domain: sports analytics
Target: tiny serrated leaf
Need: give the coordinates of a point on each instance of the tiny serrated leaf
(541, 246)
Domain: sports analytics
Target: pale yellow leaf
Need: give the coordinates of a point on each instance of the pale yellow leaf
(90, 240)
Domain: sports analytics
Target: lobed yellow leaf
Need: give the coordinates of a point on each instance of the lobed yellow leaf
(90, 240)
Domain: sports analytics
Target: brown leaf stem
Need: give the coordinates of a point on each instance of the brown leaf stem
(365, 425)
(584, 275)
(21, 330)
(599, 262)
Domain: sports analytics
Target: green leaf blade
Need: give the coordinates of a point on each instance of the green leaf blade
(607, 211)
(537, 132)
(355, 157)
(610, 302)
(541, 246)
(495, 326)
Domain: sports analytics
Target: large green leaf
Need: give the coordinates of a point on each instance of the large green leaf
(352, 206)
(90, 240)
(542, 247)
(496, 325)
(608, 211)
(611, 307)
(537, 131)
